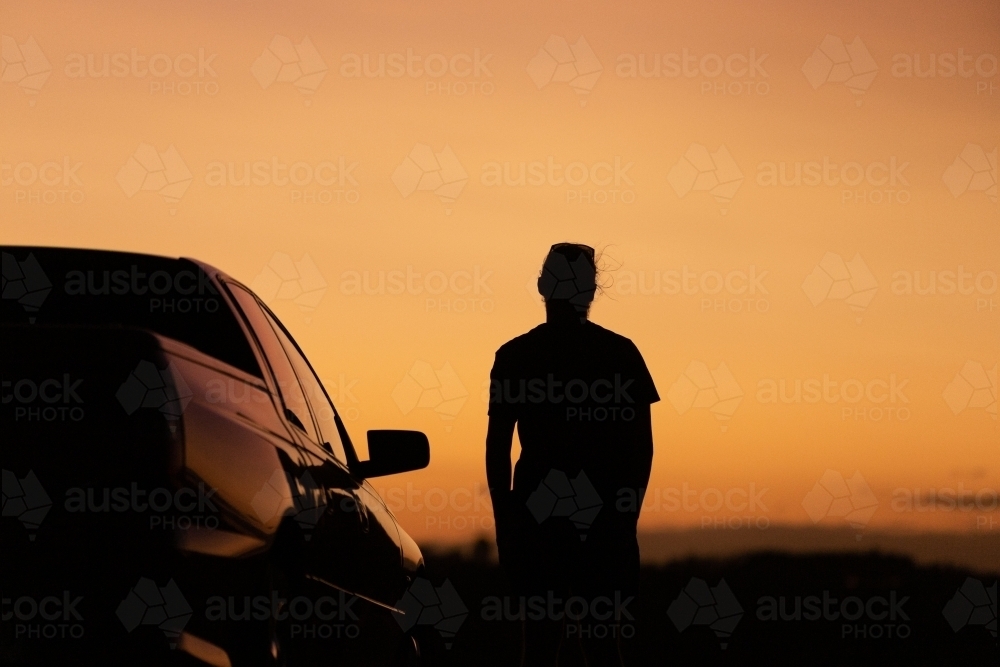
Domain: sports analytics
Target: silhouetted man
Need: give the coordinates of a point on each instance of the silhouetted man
(579, 396)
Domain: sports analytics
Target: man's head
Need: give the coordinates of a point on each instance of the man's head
(569, 277)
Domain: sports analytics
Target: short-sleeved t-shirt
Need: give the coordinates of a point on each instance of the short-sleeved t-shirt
(577, 392)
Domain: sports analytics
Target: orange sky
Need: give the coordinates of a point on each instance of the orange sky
(355, 210)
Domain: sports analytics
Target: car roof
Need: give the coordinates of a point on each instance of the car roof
(94, 255)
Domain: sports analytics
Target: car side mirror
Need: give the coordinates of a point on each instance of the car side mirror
(391, 452)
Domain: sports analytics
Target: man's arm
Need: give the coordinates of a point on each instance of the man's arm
(499, 439)
(644, 466)
(639, 464)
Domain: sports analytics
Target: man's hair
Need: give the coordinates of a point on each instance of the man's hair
(569, 274)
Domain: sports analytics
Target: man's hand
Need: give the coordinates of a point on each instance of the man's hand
(506, 530)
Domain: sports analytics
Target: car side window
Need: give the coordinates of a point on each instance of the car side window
(296, 408)
(317, 397)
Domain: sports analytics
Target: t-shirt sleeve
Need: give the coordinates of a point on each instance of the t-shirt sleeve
(644, 388)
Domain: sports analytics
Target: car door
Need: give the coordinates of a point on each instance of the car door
(350, 542)
(372, 569)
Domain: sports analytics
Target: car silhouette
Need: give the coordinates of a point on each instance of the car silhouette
(178, 486)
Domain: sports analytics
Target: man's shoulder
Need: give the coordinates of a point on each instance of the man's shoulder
(543, 341)
(610, 338)
(525, 341)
